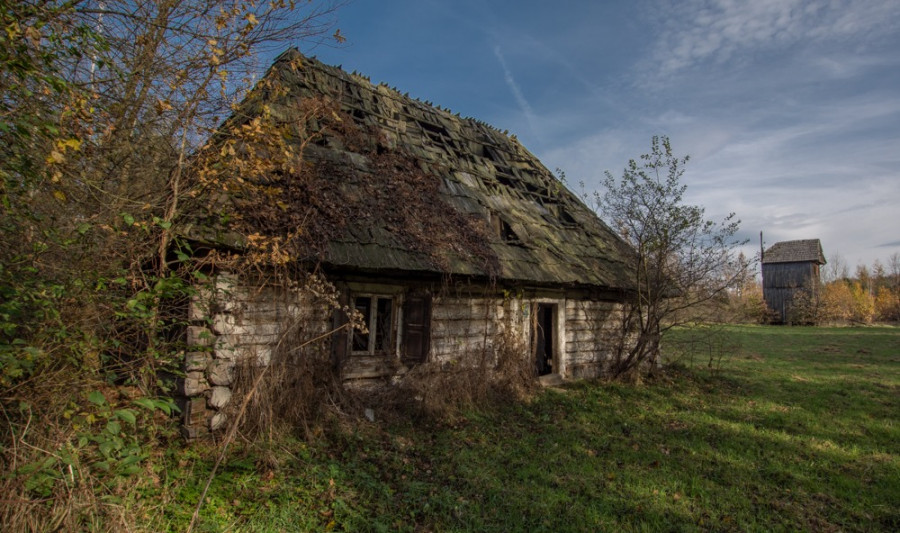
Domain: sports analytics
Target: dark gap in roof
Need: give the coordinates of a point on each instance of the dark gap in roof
(539, 191)
(558, 213)
(503, 230)
(433, 128)
(507, 180)
(566, 218)
(436, 137)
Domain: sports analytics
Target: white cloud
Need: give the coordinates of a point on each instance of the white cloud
(694, 32)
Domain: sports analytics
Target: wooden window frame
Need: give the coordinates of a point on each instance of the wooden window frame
(373, 325)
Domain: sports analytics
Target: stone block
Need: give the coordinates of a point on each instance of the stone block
(220, 397)
(194, 384)
(221, 372)
(201, 304)
(225, 350)
(263, 355)
(200, 336)
(217, 421)
(194, 361)
(196, 412)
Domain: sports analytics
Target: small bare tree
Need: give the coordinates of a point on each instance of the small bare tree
(835, 269)
(681, 260)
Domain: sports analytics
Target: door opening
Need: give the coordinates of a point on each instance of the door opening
(544, 341)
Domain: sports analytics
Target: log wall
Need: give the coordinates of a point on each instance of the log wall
(233, 323)
(590, 334)
(784, 282)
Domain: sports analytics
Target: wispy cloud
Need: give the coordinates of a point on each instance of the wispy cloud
(788, 108)
(517, 92)
(720, 31)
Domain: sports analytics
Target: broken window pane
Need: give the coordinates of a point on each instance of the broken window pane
(383, 325)
(363, 306)
(378, 316)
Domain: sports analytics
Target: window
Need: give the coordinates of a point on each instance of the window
(378, 315)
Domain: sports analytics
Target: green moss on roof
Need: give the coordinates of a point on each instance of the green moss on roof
(519, 222)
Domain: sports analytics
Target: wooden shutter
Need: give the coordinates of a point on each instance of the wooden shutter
(416, 328)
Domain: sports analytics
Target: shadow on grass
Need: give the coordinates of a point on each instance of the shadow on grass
(793, 438)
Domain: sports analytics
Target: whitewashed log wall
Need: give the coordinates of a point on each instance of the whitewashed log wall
(591, 333)
(467, 325)
(231, 323)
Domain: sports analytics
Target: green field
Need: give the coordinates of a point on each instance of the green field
(798, 429)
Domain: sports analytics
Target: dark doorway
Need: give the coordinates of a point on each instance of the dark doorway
(544, 342)
(416, 328)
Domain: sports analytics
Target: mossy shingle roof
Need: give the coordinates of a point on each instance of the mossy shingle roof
(540, 232)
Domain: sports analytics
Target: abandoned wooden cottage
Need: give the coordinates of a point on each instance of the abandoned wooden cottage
(444, 234)
(790, 272)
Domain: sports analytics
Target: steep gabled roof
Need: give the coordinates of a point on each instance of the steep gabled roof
(795, 252)
(429, 192)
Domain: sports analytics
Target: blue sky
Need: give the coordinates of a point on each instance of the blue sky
(789, 109)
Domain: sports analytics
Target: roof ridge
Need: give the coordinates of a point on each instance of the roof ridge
(362, 80)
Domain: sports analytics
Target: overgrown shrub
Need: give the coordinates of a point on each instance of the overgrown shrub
(439, 390)
(289, 394)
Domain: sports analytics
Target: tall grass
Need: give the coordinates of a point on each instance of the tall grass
(797, 429)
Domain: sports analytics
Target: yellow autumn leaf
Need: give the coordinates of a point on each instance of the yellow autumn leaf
(13, 30)
(251, 18)
(55, 157)
(59, 195)
(163, 106)
(64, 144)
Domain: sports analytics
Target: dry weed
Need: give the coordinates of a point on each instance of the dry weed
(442, 390)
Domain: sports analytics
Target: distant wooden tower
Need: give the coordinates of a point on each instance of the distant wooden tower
(790, 270)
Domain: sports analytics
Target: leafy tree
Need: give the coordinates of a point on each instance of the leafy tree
(681, 260)
(104, 106)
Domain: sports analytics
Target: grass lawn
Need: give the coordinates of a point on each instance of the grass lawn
(799, 429)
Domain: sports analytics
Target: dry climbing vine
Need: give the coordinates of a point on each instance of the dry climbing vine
(316, 189)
